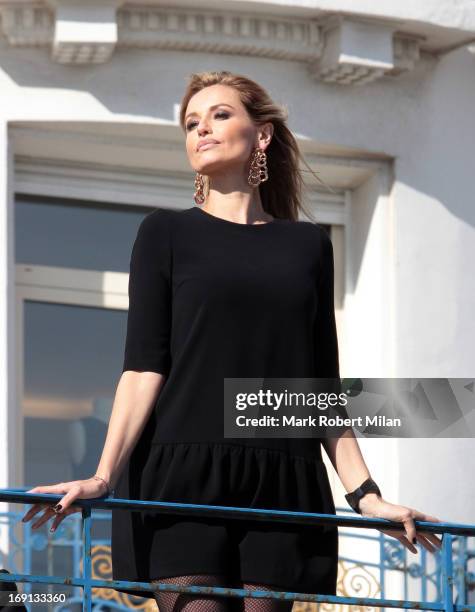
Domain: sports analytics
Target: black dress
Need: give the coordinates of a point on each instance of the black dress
(209, 299)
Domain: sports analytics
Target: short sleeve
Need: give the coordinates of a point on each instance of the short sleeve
(326, 340)
(147, 345)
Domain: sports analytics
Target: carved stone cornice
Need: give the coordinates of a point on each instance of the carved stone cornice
(337, 49)
(219, 32)
(27, 25)
(406, 53)
(361, 51)
(91, 42)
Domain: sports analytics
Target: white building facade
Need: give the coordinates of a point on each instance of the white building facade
(381, 98)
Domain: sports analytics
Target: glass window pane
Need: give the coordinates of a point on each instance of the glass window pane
(73, 358)
(75, 234)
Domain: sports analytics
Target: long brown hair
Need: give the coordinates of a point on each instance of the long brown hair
(281, 195)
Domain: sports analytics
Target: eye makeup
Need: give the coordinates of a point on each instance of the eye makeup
(217, 114)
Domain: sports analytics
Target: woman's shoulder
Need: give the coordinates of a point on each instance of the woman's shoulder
(162, 219)
(158, 217)
(305, 225)
(309, 230)
(157, 225)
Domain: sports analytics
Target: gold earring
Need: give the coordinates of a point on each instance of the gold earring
(258, 169)
(199, 195)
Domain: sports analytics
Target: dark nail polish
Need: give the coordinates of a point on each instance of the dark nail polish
(414, 540)
(58, 508)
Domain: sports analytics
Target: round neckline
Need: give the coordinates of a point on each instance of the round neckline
(211, 217)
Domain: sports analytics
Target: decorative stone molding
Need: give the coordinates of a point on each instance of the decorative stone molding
(406, 53)
(338, 49)
(78, 31)
(28, 25)
(85, 31)
(358, 52)
(84, 34)
(198, 30)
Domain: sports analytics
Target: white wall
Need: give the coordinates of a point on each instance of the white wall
(436, 250)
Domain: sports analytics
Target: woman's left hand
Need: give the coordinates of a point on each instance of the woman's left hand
(373, 506)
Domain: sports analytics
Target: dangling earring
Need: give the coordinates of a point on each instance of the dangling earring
(199, 195)
(258, 169)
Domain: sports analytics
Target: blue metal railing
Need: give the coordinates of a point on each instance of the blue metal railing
(87, 583)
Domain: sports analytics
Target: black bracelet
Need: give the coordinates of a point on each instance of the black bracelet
(353, 498)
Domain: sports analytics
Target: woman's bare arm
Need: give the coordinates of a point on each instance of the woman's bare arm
(134, 400)
(346, 457)
(135, 397)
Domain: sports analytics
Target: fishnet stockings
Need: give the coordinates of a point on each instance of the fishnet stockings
(169, 601)
(252, 604)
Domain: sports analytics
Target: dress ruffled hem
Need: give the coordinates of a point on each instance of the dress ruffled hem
(234, 475)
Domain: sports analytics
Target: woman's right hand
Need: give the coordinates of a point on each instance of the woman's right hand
(75, 489)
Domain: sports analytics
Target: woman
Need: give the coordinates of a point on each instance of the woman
(232, 287)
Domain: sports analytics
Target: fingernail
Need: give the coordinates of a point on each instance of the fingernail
(58, 508)
(52, 528)
(414, 540)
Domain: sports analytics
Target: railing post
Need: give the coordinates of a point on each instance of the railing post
(77, 552)
(447, 573)
(462, 571)
(382, 567)
(87, 562)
